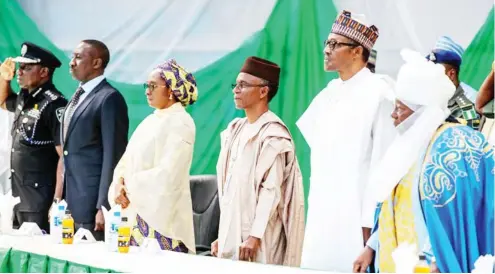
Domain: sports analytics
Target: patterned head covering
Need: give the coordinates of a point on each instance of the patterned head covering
(446, 51)
(353, 27)
(181, 82)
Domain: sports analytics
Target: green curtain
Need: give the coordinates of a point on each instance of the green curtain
(478, 57)
(292, 37)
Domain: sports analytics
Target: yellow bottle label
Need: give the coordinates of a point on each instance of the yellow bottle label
(67, 230)
(422, 269)
(123, 244)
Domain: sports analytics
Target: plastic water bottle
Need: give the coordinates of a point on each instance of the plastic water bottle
(57, 215)
(113, 236)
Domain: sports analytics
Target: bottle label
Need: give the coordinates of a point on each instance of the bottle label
(57, 221)
(114, 227)
(67, 234)
(123, 243)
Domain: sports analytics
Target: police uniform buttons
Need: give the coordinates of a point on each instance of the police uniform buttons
(29, 128)
(65, 152)
(12, 170)
(25, 120)
(35, 184)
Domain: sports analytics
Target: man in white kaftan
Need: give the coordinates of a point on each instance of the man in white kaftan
(348, 127)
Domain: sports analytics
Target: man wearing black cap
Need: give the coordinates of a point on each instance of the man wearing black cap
(259, 180)
(36, 147)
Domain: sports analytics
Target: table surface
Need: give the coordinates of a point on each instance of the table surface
(97, 255)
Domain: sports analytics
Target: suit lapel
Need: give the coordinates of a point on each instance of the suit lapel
(84, 104)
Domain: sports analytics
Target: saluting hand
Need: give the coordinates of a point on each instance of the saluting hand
(7, 69)
(249, 249)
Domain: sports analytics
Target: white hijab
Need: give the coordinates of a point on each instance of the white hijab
(424, 87)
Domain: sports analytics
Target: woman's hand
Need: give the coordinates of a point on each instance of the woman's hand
(121, 194)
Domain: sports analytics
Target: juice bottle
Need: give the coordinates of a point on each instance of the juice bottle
(124, 236)
(422, 266)
(67, 228)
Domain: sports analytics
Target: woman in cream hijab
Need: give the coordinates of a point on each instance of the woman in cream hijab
(152, 178)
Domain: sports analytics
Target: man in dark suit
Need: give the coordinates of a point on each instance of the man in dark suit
(94, 129)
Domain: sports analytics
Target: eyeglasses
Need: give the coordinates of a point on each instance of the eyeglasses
(332, 44)
(243, 85)
(152, 87)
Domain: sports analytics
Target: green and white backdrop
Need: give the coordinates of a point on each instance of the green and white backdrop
(213, 37)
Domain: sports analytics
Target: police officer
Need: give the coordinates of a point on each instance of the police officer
(449, 54)
(37, 108)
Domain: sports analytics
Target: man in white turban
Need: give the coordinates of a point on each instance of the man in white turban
(434, 185)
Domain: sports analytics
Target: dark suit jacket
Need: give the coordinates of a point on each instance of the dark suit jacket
(95, 141)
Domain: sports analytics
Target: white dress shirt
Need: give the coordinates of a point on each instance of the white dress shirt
(88, 87)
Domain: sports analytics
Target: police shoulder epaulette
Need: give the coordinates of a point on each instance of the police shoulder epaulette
(52, 96)
(463, 101)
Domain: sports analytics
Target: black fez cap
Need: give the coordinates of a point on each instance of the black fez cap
(262, 68)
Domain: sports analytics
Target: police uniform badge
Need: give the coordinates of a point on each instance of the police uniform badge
(23, 49)
(35, 112)
(433, 58)
(468, 112)
(60, 113)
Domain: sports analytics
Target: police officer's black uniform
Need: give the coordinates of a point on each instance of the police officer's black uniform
(463, 109)
(35, 133)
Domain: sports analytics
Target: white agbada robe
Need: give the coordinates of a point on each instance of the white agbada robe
(348, 127)
(6, 119)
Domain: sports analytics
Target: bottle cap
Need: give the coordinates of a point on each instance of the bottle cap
(124, 219)
(422, 257)
(67, 211)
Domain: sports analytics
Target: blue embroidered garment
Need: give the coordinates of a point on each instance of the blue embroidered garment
(457, 192)
(456, 199)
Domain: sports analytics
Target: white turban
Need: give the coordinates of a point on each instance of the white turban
(424, 87)
(423, 83)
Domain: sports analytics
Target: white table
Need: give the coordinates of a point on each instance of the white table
(96, 255)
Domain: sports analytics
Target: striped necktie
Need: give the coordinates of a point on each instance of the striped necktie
(71, 108)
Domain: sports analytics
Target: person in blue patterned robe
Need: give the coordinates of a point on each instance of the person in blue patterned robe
(435, 184)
